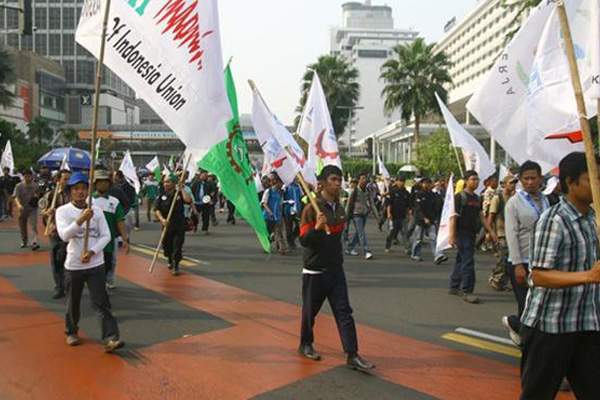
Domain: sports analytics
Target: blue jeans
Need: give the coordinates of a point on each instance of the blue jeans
(463, 274)
(360, 221)
(420, 232)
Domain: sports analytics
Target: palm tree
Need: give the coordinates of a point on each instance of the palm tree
(523, 7)
(339, 81)
(39, 128)
(69, 136)
(411, 80)
(7, 75)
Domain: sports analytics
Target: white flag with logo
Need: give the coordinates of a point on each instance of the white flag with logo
(382, 169)
(273, 137)
(317, 129)
(554, 129)
(169, 52)
(443, 237)
(500, 104)
(474, 154)
(129, 172)
(154, 166)
(7, 160)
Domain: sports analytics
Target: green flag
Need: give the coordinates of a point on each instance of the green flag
(230, 162)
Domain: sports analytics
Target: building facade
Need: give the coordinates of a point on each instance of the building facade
(366, 39)
(54, 25)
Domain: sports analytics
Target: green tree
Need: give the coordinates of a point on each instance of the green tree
(7, 76)
(411, 80)
(523, 7)
(339, 81)
(69, 136)
(436, 155)
(25, 153)
(40, 129)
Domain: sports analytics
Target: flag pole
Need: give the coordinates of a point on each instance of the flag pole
(585, 126)
(171, 209)
(95, 121)
(460, 168)
(288, 152)
(52, 220)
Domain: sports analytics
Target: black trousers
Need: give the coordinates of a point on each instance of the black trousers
(58, 255)
(173, 245)
(332, 286)
(205, 214)
(109, 262)
(96, 282)
(292, 229)
(398, 226)
(519, 290)
(230, 212)
(548, 358)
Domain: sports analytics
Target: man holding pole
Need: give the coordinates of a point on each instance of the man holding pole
(171, 204)
(323, 273)
(87, 233)
(561, 321)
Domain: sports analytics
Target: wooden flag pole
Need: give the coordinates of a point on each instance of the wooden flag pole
(86, 236)
(590, 155)
(171, 209)
(51, 220)
(460, 168)
(313, 201)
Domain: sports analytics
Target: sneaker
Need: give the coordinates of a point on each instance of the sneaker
(368, 255)
(416, 258)
(387, 251)
(110, 284)
(175, 272)
(136, 228)
(497, 286)
(23, 245)
(113, 344)
(454, 292)
(35, 247)
(470, 298)
(58, 294)
(358, 363)
(352, 252)
(510, 324)
(73, 340)
(205, 233)
(309, 352)
(170, 266)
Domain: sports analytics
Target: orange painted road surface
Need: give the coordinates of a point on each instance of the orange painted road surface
(255, 355)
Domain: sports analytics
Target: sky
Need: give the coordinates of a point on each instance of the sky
(272, 41)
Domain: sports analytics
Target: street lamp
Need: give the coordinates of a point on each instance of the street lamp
(351, 123)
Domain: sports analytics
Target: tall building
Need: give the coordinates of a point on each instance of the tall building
(54, 25)
(366, 39)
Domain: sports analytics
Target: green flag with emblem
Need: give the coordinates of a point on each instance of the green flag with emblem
(230, 162)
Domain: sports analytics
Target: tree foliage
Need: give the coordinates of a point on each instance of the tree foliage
(40, 129)
(7, 76)
(340, 84)
(436, 155)
(412, 78)
(25, 152)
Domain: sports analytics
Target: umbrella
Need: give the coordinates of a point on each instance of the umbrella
(409, 168)
(76, 158)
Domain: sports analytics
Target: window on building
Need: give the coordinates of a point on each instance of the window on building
(54, 18)
(69, 45)
(13, 39)
(54, 45)
(40, 18)
(27, 43)
(68, 16)
(69, 67)
(41, 44)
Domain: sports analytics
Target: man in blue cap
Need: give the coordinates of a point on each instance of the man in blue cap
(85, 265)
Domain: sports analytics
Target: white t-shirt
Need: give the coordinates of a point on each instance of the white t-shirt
(69, 231)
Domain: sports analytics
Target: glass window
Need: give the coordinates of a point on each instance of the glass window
(68, 44)
(54, 18)
(13, 19)
(40, 17)
(27, 43)
(68, 15)
(13, 39)
(41, 44)
(54, 45)
(69, 67)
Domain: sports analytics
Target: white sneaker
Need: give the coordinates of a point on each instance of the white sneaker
(352, 253)
(110, 284)
(368, 255)
(514, 335)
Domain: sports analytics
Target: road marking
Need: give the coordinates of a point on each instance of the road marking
(483, 344)
(185, 258)
(487, 336)
(183, 263)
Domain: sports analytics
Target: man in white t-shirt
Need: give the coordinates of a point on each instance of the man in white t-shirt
(85, 267)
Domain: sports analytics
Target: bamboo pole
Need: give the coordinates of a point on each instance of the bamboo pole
(460, 168)
(52, 220)
(585, 126)
(288, 151)
(86, 236)
(171, 209)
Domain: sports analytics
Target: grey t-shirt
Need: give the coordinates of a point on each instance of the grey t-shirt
(27, 194)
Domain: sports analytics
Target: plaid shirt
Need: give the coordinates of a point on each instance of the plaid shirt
(565, 240)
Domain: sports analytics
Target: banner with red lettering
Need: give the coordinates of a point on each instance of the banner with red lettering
(169, 52)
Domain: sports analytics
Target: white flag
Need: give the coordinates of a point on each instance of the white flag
(554, 129)
(169, 52)
(64, 165)
(273, 137)
(474, 154)
(7, 158)
(128, 170)
(317, 129)
(382, 169)
(443, 237)
(503, 173)
(500, 104)
(153, 166)
(258, 183)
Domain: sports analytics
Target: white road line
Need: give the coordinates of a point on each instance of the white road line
(145, 246)
(487, 336)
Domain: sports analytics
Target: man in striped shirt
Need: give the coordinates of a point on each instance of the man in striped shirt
(561, 322)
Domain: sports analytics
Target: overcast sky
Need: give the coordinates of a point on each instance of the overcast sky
(272, 41)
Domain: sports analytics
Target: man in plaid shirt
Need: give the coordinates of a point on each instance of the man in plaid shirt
(561, 322)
